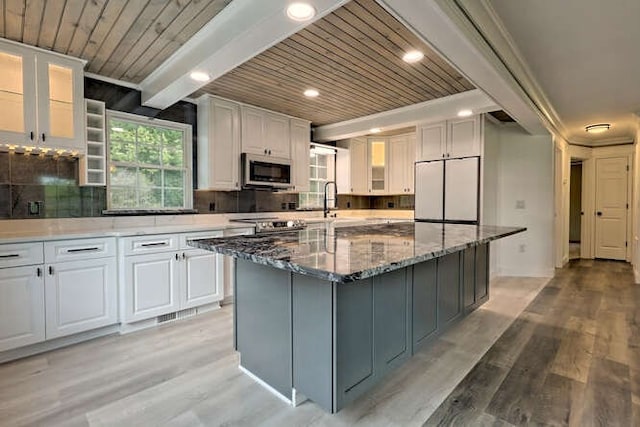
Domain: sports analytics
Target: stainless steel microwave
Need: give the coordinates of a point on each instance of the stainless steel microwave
(265, 171)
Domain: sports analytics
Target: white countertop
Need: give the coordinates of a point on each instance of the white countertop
(30, 230)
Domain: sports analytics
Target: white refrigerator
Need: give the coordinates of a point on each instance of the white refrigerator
(448, 190)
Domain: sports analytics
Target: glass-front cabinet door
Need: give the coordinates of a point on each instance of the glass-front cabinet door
(60, 95)
(41, 98)
(17, 97)
(378, 165)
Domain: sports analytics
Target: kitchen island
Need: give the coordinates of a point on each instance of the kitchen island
(326, 313)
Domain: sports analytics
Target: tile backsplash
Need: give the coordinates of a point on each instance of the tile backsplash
(36, 186)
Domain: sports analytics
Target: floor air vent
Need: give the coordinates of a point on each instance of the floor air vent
(177, 315)
(167, 317)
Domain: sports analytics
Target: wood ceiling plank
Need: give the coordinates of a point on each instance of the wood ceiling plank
(387, 56)
(336, 74)
(68, 24)
(33, 14)
(14, 19)
(50, 23)
(88, 21)
(177, 37)
(319, 75)
(147, 39)
(110, 15)
(338, 55)
(388, 25)
(2, 6)
(359, 53)
(361, 20)
(108, 61)
(262, 90)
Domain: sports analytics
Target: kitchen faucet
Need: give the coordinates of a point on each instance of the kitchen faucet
(335, 197)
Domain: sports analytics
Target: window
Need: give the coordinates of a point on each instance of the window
(149, 163)
(322, 166)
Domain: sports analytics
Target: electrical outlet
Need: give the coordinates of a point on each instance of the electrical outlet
(34, 208)
(520, 204)
(522, 248)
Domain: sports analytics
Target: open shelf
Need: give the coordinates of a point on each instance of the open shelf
(93, 166)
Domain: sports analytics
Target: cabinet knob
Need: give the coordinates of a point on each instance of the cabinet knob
(31, 135)
(269, 152)
(44, 137)
(265, 151)
(177, 257)
(50, 270)
(184, 256)
(38, 272)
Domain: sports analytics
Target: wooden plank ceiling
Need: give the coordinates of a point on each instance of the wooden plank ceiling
(121, 39)
(353, 56)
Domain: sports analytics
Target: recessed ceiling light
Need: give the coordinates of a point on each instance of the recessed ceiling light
(300, 11)
(311, 93)
(200, 76)
(464, 113)
(375, 130)
(412, 56)
(599, 128)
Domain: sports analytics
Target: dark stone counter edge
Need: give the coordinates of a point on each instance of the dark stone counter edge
(344, 278)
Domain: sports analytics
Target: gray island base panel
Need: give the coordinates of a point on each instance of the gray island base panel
(332, 341)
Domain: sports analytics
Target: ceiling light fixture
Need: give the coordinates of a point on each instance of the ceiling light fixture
(599, 128)
(375, 130)
(200, 76)
(412, 56)
(300, 11)
(311, 93)
(464, 113)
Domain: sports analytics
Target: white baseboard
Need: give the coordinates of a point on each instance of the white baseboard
(54, 344)
(265, 385)
(520, 272)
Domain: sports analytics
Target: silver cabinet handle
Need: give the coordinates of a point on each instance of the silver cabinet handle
(83, 250)
(147, 245)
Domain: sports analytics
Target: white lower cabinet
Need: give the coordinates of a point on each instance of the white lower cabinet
(150, 286)
(80, 295)
(175, 277)
(21, 306)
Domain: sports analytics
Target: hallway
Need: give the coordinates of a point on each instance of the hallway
(572, 357)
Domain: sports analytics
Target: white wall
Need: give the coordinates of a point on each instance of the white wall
(635, 260)
(490, 163)
(524, 171)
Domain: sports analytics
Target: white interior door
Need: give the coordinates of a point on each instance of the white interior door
(611, 208)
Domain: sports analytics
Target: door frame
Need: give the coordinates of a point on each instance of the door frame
(588, 155)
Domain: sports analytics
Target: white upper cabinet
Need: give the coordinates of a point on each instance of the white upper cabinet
(401, 164)
(463, 137)
(300, 146)
(378, 165)
(359, 166)
(265, 133)
(449, 139)
(41, 98)
(218, 144)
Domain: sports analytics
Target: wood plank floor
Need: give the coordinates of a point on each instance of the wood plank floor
(564, 353)
(571, 358)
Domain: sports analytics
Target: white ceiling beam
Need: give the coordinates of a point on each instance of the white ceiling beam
(444, 26)
(428, 111)
(239, 32)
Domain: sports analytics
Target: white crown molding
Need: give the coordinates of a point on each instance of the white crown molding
(428, 111)
(239, 32)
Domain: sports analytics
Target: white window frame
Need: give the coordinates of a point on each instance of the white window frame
(187, 152)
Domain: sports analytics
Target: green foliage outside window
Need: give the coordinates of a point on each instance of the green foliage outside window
(147, 166)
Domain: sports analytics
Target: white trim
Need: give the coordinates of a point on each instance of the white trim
(410, 115)
(39, 49)
(444, 26)
(265, 385)
(112, 81)
(242, 30)
(187, 151)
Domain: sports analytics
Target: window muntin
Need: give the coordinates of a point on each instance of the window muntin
(149, 163)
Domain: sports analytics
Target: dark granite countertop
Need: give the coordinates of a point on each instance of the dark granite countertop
(347, 254)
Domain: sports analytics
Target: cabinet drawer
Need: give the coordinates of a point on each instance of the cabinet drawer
(199, 235)
(17, 254)
(72, 250)
(150, 244)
